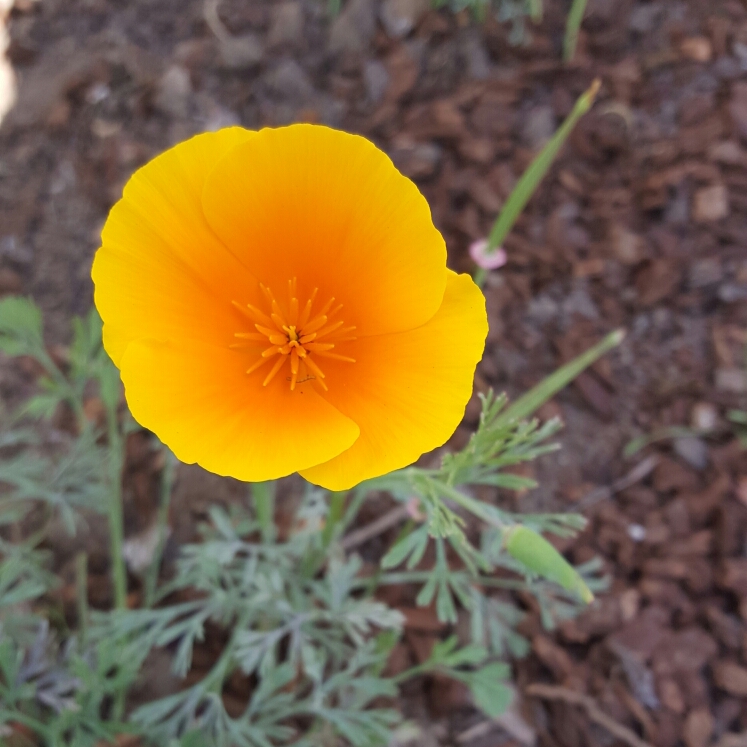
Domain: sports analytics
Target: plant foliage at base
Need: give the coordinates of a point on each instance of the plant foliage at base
(297, 617)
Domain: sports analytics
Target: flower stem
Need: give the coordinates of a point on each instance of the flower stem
(263, 497)
(116, 520)
(334, 517)
(167, 484)
(81, 595)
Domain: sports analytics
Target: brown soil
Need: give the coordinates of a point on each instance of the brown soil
(641, 225)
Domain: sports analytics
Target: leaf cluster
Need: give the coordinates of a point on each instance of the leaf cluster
(297, 616)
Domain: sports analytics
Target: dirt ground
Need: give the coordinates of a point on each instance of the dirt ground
(642, 224)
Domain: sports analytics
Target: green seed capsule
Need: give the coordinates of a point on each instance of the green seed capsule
(539, 556)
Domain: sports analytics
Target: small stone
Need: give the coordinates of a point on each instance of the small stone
(696, 48)
(353, 30)
(289, 80)
(645, 17)
(286, 26)
(727, 152)
(416, 160)
(693, 451)
(174, 89)
(698, 727)
(626, 245)
(403, 66)
(636, 532)
(670, 695)
(475, 54)
(741, 490)
(704, 417)
(731, 677)
(732, 380)
(376, 79)
(711, 204)
(738, 108)
(477, 149)
(400, 17)
(242, 52)
(705, 272)
(732, 292)
(539, 126)
(630, 602)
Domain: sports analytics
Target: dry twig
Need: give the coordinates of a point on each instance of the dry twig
(379, 526)
(639, 472)
(595, 713)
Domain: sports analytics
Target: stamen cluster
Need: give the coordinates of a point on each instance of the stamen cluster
(295, 335)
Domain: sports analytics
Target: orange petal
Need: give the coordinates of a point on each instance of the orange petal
(161, 272)
(407, 391)
(197, 399)
(331, 209)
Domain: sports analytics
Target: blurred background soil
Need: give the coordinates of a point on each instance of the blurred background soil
(642, 224)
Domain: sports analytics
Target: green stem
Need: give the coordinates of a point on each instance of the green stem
(531, 178)
(334, 518)
(480, 276)
(572, 26)
(547, 388)
(417, 577)
(478, 508)
(167, 485)
(44, 732)
(81, 595)
(116, 520)
(263, 497)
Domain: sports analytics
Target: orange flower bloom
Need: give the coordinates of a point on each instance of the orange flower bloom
(278, 301)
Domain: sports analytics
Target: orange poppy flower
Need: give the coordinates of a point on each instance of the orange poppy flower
(278, 301)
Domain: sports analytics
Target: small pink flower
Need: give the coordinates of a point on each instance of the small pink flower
(487, 260)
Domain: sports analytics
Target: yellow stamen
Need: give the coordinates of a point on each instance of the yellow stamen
(315, 324)
(329, 330)
(294, 334)
(314, 368)
(270, 376)
(306, 313)
(336, 357)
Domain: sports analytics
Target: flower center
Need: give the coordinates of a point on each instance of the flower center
(297, 336)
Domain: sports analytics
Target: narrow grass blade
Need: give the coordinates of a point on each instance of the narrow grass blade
(547, 388)
(572, 25)
(531, 178)
(533, 175)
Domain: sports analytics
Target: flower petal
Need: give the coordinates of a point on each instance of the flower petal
(332, 210)
(199, 401)
(406, 391)
(161, 271)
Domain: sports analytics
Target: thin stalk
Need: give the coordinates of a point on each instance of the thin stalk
(547, 388)
(334, 518)
(532, 177)
(41, 730)
(263, 498)
(572, 26)
(477, 508)
(81, 595)
(116, 532)
(116, 520)
(167, 484)
(359, 497)
(417, 577)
